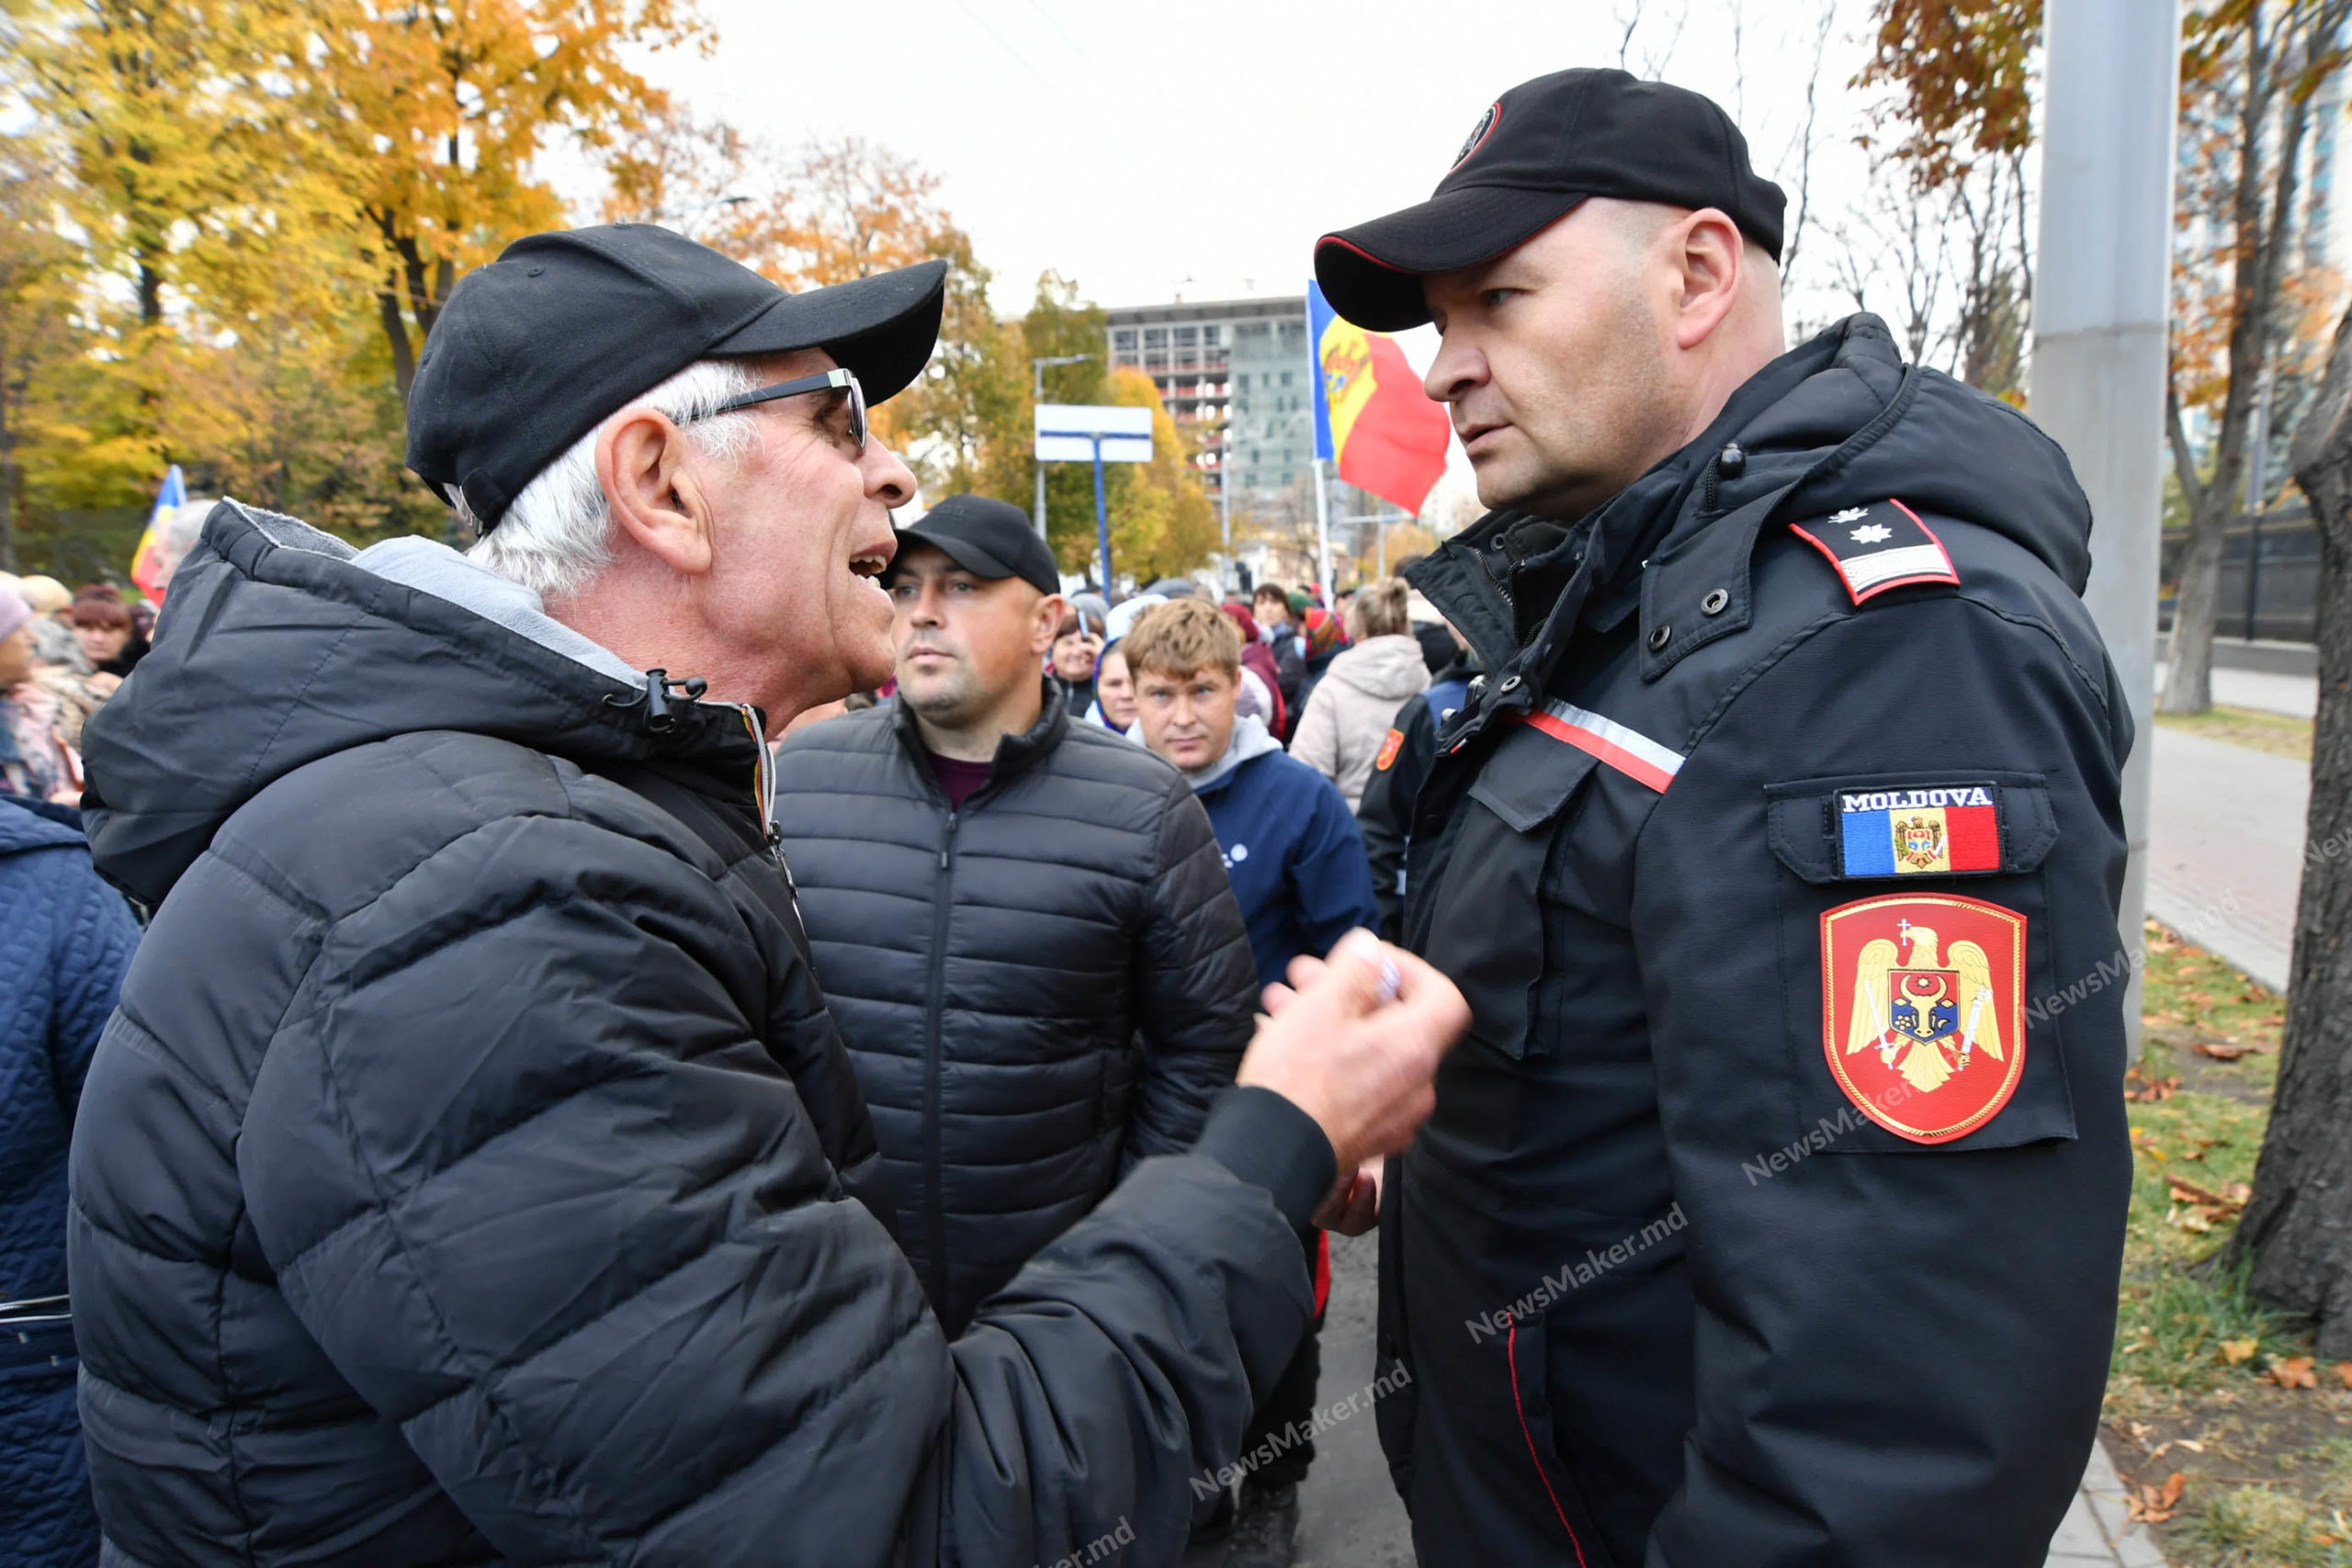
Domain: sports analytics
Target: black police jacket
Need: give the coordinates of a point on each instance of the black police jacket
(1771, 1215)
(471, 1172)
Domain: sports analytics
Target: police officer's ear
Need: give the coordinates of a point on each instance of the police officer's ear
(1709, 256)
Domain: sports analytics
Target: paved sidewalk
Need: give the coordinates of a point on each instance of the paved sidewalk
(2225, 849)
(2097, 1529)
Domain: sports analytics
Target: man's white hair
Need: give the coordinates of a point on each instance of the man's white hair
(557, 536)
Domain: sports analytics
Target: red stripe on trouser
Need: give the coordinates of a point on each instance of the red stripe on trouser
(1322, 1272)
(1511, 1349)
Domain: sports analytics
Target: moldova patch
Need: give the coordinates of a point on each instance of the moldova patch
(1906, 832)
(1388, 749)
(1878, 547)
(1922, 1010)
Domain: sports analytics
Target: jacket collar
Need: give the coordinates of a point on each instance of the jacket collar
(1250, 740)
(1015, 754)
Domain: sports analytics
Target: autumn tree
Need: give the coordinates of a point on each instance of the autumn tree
(439, 111)
(37, 338)
(2250, 72)
(1948, 220)
(1163, 524)
(2296, 1233)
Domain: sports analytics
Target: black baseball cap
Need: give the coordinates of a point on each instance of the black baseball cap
(1533, 156)
(988, 538)
(534, 350)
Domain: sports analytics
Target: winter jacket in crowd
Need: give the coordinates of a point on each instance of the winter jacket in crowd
(1038, 989)
(1349, 715)
(65, 938)
(1766, 1216)
(1290, 668)
(1385, 814)
(471, 1171)
(1291, 849)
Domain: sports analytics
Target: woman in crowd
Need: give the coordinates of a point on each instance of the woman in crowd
(33, 763)
(1077, 646)
(69, 938)
(1114, 692)
(104, 629)
(1349, 714)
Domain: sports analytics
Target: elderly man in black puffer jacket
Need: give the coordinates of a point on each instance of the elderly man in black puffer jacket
(471, 1172)
(1022, 924)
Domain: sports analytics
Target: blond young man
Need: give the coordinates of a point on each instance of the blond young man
(1299, 873)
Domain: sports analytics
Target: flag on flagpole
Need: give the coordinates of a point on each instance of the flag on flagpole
(1371, 415)
(146, 559)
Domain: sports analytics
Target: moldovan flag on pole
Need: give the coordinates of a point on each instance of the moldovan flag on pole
(168, 499)
(1370, 411)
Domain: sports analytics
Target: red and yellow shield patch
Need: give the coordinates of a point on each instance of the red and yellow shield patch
(1388, 749)
(1923, 1010)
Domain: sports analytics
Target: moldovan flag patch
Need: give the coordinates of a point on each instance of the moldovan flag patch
(1909, 832)
(1922, 1010)
(1388, 749)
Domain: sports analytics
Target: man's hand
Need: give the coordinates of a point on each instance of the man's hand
(1354, 1054)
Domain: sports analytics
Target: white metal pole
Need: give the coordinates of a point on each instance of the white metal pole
(2100, 302)
(1038, 366)
(1322, 536)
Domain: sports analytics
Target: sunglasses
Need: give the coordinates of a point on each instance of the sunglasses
(831, 381)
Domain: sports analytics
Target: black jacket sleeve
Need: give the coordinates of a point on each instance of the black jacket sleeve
(1385, 811)
(1195, 985)
(528, 1179)
(1852, 1284)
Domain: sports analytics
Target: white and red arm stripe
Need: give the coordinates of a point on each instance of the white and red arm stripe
(1628, 750)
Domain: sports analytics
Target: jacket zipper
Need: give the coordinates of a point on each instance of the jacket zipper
(935, 1006)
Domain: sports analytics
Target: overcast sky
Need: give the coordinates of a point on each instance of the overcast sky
(1196, 150)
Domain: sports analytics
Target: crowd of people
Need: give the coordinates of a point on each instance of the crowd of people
(589, 1092)
(63, 654)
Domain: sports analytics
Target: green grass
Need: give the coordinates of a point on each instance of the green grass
(2276, 733)
(2269, 1469)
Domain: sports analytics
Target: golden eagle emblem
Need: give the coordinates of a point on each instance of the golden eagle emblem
(1925, 1016)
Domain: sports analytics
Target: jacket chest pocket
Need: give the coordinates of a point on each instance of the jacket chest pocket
(1485, 918)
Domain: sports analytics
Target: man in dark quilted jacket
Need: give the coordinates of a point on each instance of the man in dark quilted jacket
(1019, 922)
(471, 1172)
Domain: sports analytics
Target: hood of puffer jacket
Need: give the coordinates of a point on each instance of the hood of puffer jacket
(1837, 421)
(280, 645)
(1390, 668)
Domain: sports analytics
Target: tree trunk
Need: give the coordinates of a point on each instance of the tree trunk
(2274, 73)
(388, 310)
(2297, 1228)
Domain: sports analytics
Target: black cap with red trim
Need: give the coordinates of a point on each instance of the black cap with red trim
(1533, 156)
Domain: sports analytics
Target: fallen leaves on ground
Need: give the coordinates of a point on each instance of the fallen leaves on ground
(2293, 1372)
(2224, 1051)
(2236, 1350)
(2203, 1205)
(2150, 1089)
(2155, 1504)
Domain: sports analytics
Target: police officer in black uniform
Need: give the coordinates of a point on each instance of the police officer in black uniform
(1769, 1214)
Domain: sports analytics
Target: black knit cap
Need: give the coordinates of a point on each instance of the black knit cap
(534, 350)
(1531, 158)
